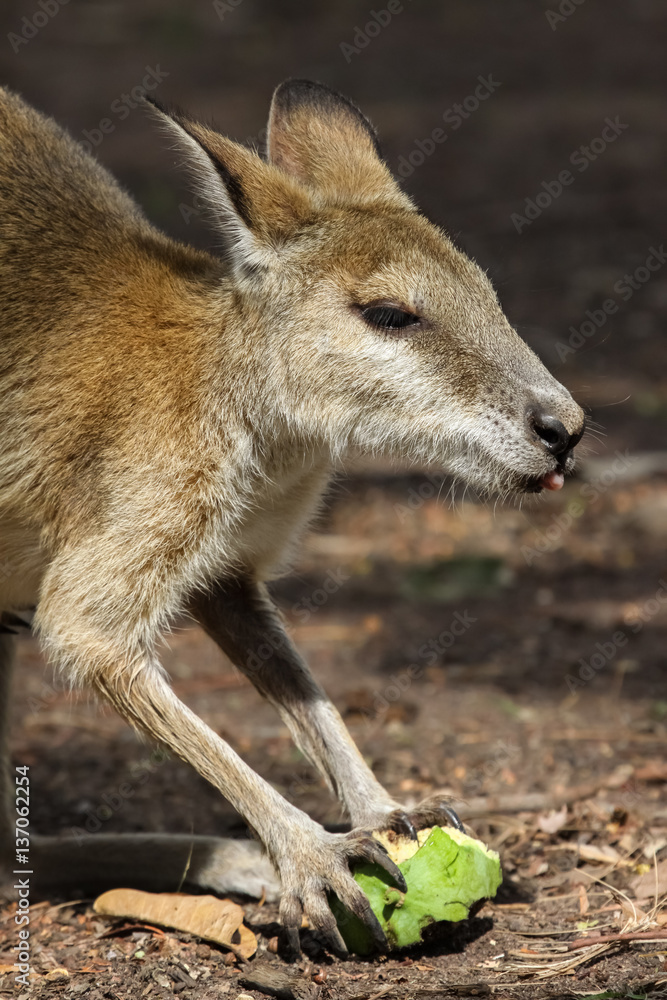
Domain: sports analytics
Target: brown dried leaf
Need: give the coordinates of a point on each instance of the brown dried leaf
(207, 917)
(553, 821)
(55, 974)
(655, 880)
(604, 853)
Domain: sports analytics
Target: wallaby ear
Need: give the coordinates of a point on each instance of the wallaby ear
(323, 140)
(253, 204)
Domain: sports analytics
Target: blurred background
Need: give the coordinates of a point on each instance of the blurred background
(534, 693)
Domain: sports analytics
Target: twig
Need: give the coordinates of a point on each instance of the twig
(586, 942)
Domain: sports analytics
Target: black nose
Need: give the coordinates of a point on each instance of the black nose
(552, 433)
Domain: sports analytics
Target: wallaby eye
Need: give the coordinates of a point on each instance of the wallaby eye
(389, 317)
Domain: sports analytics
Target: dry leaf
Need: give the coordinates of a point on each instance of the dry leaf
(655, 880)
(589, 852)
(652, 771)
(653, 847)
(552, 822)
(207, 917)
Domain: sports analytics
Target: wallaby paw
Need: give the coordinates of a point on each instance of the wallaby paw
(318, 865)
(433, 811)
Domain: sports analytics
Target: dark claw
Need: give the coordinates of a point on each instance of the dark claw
(402, 824)
(380, 857)
(290, 946)
(433, 811)
(365, 913)
(452, 816)
(333, 941)
(372, 850)
(379, 937)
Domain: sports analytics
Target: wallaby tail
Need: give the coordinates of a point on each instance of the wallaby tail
(156, 862)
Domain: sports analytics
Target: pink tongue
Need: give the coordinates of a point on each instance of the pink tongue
(552, 481)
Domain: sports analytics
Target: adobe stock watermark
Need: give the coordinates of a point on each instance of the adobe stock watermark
(502, 754)
(378, 20)
(547, 540)
(22, 866)
(643, 613)
(566, 9)
(122, 107)
(331, 584)
(223, 7)
(278, 639)
(114, 800)
(199, 207)
(581, 158)
(48, 695)
(418, 497)
(428, 653)
(606, 651)
(195, 210)
(624, 288)
(454, 118)
(31, 26)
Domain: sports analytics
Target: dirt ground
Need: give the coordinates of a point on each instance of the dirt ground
(547, 716)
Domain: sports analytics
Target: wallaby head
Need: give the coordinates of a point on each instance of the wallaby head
(380, 334)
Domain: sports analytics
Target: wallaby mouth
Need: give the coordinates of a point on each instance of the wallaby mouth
(552, 434)
(555, 479)
(549, 481)
(552, 481)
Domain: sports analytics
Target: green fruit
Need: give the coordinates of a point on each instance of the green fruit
(445, 876)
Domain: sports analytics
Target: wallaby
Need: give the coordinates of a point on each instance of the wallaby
(169, 420)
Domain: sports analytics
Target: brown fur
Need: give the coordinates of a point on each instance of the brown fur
(169, 421)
